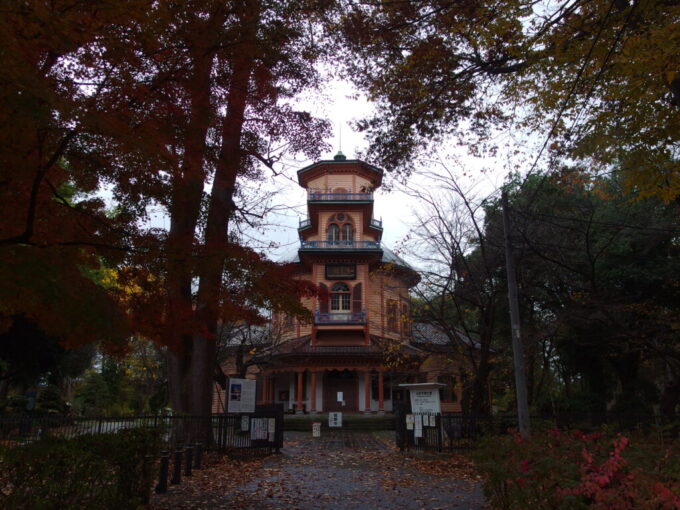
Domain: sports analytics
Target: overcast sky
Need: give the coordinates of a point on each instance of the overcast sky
(342, 105)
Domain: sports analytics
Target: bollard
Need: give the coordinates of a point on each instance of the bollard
(162, 486)
(199, 456)
(145, 490)
(177, 471)
(187, 465)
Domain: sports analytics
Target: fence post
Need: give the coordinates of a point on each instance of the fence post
(199, 455)
(177, 468)
(162, 486)
(438, 421)
(187, 464)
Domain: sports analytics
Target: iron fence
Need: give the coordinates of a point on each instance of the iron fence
(262, 429)
(456, 431)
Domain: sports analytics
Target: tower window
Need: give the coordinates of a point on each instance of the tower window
(333, 232)
(347, 232)
(392, 315)
(340, 297)
(340, 228)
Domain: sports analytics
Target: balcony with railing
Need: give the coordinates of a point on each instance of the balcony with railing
(340, 245)
(307, 222)
(315, 196)
(339, 318)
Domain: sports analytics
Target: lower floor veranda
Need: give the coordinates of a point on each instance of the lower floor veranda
(330, 389)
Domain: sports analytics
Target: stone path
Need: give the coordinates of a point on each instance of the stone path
(341, 470)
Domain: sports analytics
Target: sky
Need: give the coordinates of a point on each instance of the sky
(343, 105)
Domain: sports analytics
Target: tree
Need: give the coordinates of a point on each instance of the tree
(462, 290)
(599, 79)
(157, 102)
(28, 355)
(598, 270)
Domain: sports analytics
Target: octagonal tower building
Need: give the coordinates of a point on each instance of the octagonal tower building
(345, 358)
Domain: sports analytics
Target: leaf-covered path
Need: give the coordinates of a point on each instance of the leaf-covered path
(341, 470)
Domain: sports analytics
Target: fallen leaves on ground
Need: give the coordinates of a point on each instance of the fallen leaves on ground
(332, 473)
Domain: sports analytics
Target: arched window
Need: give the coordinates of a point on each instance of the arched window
(340, 228)
(333, 232)
(347, 233)
(340, 298)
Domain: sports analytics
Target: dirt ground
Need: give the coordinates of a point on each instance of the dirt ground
(341, 470)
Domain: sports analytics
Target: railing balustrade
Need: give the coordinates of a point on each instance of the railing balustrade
(339, 197)
(305, 223)
(340, 317)
(340, 245)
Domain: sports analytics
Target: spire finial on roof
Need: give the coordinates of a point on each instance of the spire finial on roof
(340, 157)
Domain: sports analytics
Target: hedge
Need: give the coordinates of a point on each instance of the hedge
(105, 471)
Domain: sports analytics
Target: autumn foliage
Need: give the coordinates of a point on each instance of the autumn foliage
(574, 470)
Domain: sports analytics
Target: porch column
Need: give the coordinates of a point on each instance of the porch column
(299, 393)
(367, 392)
(313, 400)
(381, 394)
(270, 391)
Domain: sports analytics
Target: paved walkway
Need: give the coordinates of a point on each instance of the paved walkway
(341, 470)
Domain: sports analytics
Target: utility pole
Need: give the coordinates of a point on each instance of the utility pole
(517, 351)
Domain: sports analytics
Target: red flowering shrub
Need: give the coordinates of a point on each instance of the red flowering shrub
(573, 470)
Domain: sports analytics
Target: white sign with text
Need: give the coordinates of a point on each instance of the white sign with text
(241, 396)
(425, 400)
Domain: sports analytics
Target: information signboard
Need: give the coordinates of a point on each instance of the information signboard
(241, 396)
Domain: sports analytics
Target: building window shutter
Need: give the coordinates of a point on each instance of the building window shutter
(356, 298)
(323, 298)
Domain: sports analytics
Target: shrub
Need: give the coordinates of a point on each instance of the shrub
(108, 471)
(573, 471)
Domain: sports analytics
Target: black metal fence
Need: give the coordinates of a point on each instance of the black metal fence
(262, 429)
(456, 431)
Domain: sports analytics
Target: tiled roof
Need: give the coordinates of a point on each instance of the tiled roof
(430, 334)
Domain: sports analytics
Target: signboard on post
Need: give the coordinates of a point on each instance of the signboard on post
(316, 429)
(335, 419)
(424, 397)
(241, 396)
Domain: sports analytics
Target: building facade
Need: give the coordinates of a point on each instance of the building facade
(345, 358)
(358, 346)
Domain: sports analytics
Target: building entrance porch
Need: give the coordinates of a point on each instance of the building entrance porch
(340, 392)
(314, 390)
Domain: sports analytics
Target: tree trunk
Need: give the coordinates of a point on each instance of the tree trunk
(185, 207)
(221, 208)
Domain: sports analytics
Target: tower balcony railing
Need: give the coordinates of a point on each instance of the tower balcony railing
(338, 197)
(340, 245)
(340, 317)
(306, 222)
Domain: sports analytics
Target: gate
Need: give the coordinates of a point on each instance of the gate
(262, 429)
(440, 432)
